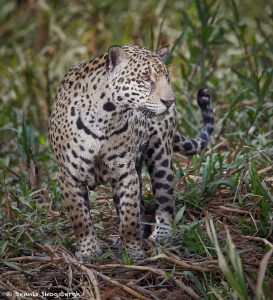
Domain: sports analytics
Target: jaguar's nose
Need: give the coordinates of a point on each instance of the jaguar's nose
(168, 103)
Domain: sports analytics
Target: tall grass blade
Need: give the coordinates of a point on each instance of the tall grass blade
(261, 275)
(231, 276)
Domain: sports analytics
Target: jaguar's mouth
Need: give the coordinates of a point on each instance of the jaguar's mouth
(147, 112)
(150, 109)
(168, 103)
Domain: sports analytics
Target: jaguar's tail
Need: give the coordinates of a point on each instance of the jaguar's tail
(194, 146)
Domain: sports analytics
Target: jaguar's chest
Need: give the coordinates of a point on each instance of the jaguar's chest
(160, 129)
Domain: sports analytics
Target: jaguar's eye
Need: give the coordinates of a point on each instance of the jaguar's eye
(146, 77)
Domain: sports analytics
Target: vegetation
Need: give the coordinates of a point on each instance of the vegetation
(222, 245)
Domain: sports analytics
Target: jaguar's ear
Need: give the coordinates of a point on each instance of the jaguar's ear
(115, 56)
(163, 52)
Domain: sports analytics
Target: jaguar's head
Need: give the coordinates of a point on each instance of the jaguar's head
(138, 79)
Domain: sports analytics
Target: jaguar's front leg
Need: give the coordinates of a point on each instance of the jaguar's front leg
(126, 187)
(75, 197)
(158, 160)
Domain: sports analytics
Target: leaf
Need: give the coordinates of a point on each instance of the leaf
(232, 277)
(236, 263)
(3, 245)
(11, 265)
(179, 214)
(177, 42)
(265, 89)
(21, 152)
(261, 275)
(197, 284)
(247, 81)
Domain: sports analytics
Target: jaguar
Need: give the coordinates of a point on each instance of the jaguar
(113, 114)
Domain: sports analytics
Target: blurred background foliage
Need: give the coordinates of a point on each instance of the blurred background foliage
(212, 42)
(225, 45)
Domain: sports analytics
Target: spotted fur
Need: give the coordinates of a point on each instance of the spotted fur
(112, 114)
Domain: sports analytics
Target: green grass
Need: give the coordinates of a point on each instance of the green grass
(223, 45)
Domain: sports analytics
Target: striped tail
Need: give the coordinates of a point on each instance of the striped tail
(194, 146)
